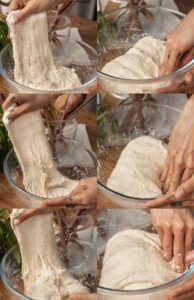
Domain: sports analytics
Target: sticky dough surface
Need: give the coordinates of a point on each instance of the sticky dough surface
(138, 168)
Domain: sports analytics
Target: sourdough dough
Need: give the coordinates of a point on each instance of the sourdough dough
(40, 174)
(134, 260)
(34, 64)
(44, 275)
(138, 169)
(140, 62)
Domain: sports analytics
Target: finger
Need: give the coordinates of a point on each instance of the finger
(179, 246)
(168, 242)
(30, 8)
(160, 232)
(166, 185)
(25, 215)
(81, 187)
(188, 173)
(185, 189)
(165, 62)
(188, 244)
(9, 101)
(186, 296)
(189, 77)
(176, 178)
(158, 202)
(18, 112)
(14, 5)
(57, 202)
(165, 172)
(81, 199)
(173, 61)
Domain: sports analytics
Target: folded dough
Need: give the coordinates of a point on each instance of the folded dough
(140, 62)
(134, 260)
(138, 168)
(34, 64)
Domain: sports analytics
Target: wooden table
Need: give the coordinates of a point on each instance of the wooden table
(9, 198)
(3, 292)
(87, 30)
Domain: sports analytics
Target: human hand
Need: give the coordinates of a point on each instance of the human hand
(179, 165)
(180, 42)
(25, 103)
(175, 228)
(30, 212)
(83, 297)
(83, 195)
(28, 7)
(184, 291)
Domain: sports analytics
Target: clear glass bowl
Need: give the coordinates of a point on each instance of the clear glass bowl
(114, 39)
(139, 221)
(122, 123)
(86, 70)
(67, 128)
(82, 268)
(72, 160)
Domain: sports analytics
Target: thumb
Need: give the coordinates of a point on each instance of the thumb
(30, 8)
(190, 258)
(185, 189)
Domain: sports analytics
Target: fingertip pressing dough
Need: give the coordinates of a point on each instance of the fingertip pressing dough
(34, 65)
(134, 260)
(138, 169)
(143, 61)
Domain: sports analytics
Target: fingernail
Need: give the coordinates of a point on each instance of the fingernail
(178, 269)
(16, 221)
(179, 194)
(186, 267)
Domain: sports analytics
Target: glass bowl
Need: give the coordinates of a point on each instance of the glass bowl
(141, 220)
(86, 70)
(114, 40)
(82, 267)
(67, 128)
(72, 159)
(121, 124)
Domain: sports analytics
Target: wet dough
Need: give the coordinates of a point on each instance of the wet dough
(134, 260)
(140, 62)
(139, 167)
(34, 64)
(44, 275)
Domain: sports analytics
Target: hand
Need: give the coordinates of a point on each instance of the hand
(83, 297)
(180, 160)
(28, 7)
(180, 42)
(184, 291)
(26, 103)
(175, 228)
(30, 212)
(84, 195)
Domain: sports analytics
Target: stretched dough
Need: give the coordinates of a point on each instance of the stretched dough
(140, 62)
(34, 64)
(44, 276)
(138, 169)
(134, 260)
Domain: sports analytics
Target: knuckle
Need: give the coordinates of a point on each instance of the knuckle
(179, 226)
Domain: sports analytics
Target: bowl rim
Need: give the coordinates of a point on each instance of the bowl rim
(167, 77)
(186, 275)
(26, 89)
(22, 190)
(101, 185)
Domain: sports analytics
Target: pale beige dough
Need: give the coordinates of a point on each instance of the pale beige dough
(34, 64)
(134, 260)
(138, 169)
(44, 275)
(140, 62)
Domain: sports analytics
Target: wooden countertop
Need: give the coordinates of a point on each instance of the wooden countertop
(87, 30)
(9, 198)
(3, 292)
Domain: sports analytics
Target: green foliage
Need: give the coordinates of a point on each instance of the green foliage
(102, 24)
(4, 139)
(4, 40)
(7, 236)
